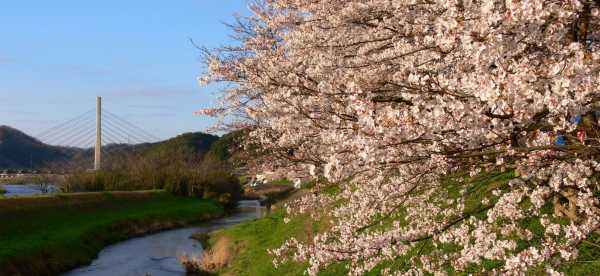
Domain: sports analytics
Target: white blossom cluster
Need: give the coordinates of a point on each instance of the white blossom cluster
(386, 99)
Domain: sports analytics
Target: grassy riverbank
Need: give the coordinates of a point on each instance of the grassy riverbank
(51, 234)
(249, 242)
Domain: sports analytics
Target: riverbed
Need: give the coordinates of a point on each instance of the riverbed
(158, 254)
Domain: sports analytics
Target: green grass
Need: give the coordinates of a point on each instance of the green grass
(588, 260)
(48, 235)
(251, 240)
(282, 181)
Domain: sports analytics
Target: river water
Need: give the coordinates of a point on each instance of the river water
(158, 254)
(25, 190)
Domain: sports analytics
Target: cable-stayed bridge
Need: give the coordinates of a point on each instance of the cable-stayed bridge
(80, 132)
(96, 128)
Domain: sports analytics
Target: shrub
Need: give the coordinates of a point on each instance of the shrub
(220, 185)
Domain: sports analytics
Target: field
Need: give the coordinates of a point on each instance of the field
(50, 234)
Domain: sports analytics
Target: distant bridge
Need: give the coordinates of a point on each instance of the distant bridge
(95, 128)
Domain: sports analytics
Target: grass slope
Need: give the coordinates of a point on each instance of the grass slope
(251, 240)
(48, 235)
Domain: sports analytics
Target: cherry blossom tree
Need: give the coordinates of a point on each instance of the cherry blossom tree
(389, 99)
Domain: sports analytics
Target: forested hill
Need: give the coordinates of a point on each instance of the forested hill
(19, 150)
(192, 144)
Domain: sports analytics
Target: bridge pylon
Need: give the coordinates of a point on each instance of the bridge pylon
(98, 147)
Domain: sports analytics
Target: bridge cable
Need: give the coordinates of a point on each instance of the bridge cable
(128, 130)
(140, 130)
(57, 132)
(122, 132)
(70, 133)
(50, 130)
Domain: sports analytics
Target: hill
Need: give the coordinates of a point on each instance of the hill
(193, 146)
(19, 151)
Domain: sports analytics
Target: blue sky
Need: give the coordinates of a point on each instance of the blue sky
(57, 56)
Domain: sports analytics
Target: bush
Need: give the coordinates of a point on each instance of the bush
(225, 187)
(221, 186)
(180, 172)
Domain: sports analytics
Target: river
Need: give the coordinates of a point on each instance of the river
(158, 254)
(13, 190)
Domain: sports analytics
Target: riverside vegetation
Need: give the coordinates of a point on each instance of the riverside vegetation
(168, 186)
(249, 247)
(52, 234)
(46, 235)
(187, 165)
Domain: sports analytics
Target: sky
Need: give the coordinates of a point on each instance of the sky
(57, 56)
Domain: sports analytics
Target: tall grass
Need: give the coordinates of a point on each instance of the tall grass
(211, 260)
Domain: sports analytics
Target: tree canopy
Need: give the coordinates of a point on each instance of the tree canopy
(387, 99)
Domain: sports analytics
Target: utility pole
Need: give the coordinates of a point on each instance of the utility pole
(98, 148)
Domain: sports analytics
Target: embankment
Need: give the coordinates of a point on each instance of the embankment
(246, 244)
(249, 242)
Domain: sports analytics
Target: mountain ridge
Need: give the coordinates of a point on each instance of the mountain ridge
(19, 150)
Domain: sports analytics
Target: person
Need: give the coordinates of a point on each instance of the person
(581, 136)
(576, 120)
(560, 139)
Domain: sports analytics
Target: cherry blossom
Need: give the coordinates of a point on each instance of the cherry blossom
(389, 99)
